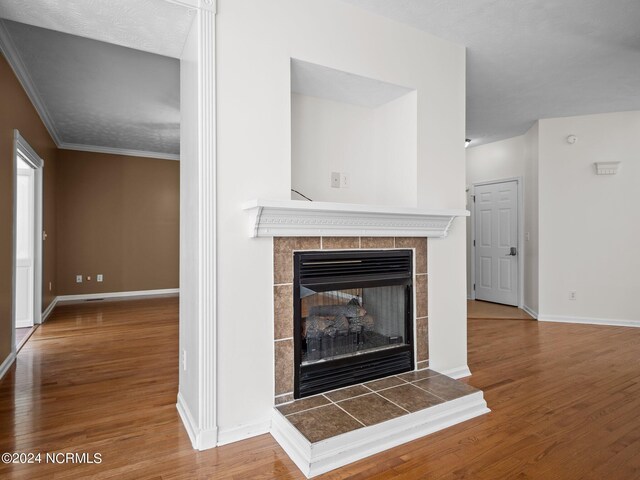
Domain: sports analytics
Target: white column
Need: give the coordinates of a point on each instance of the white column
(197, 397)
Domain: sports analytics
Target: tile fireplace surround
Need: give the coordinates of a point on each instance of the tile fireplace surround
(283, 248)
(329, 430)
(326, 431)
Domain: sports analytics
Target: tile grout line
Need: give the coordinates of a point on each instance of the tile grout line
(430, 393)
(307, 409)
(349, 414)
(392, 402)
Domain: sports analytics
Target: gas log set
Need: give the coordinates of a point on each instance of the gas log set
(333, 330)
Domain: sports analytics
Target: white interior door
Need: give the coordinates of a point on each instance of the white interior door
(496, 242)
(25, 246)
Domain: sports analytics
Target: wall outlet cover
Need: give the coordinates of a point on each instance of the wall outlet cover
(335, 179)
(78, 278)
(345, 180)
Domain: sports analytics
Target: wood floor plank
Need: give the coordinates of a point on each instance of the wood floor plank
(103, 377)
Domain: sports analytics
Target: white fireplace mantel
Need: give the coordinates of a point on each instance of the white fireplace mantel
(295, 218)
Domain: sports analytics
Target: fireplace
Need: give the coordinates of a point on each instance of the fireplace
(353, 317)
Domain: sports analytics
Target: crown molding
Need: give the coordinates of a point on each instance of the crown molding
(10, 52)
(291, 218)
(118, 151)
(209, 5)
(8, 49)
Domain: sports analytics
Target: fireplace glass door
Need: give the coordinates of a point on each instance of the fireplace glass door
(352, 317)
(339, 323)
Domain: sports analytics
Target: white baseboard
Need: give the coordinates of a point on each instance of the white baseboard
(457, 372)
(321, 457)
(137, 293)
(242, 432)
(7, 364)
(200, 439)
(187, 420)
(49, 309)
(589, 321)
(531, 312)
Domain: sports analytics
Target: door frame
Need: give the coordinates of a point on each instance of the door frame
(519, 246)
(31, 157)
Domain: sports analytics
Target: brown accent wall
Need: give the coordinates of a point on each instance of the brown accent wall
(118, 216)
(17, 112)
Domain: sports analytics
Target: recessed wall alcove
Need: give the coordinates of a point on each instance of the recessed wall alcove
(361, 128)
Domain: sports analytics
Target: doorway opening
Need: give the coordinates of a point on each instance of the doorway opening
(497, 243)
(27, 241)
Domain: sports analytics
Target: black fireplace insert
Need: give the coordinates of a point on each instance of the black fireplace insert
(353, 317)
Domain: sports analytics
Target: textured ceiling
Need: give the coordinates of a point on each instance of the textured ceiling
(323, 82)
(155, 26)
(98, 94)
(534, 59)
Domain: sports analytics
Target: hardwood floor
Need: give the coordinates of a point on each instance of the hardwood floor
(494, 311)
(22, 334)
(102, 377)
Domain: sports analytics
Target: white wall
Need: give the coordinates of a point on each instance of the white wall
(255, 41)
(375, 147)
(589, 224)
(488, 162)
(189, 224)
(531, 220)
(510, 158)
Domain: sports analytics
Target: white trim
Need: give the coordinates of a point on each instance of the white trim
(531, 312)
(10, 52)
(615, 322)
(207, 191)
(28, 154)
(206, 439)
(242, 432)
(320, 457)
(187, 420)
(200, 439)
(203, 318)
(118, 151)
(520, 183)
(457, 372)
(49, 309)
(291, 218)
(6, 365)
(99, 296)
(8, 48)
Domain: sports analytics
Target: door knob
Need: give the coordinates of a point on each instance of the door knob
(513, 251)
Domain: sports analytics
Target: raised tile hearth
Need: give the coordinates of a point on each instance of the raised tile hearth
(326, 431)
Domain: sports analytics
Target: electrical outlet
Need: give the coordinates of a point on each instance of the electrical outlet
(99, 277)
(184, 360)
(335, 179)
(78, 278)
(572, 295)
(345, 180)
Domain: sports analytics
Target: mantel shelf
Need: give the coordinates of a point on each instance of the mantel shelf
(294, 218)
